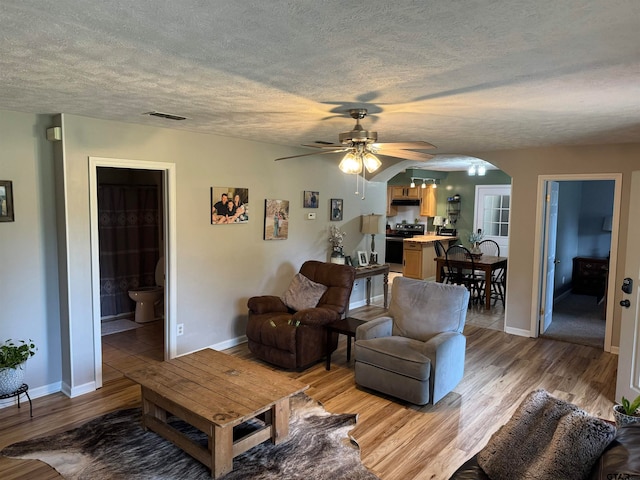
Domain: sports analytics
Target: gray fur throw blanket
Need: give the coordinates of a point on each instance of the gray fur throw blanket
(546, 439)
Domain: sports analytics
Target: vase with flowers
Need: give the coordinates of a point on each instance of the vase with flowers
(475, 238)
(336, 237)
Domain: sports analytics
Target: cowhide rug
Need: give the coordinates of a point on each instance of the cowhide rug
(115, 446)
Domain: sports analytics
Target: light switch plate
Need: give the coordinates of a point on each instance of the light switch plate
(311, 216)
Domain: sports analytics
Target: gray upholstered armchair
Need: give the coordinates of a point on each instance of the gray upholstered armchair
(417, 352)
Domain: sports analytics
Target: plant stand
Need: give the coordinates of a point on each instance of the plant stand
(23, 389)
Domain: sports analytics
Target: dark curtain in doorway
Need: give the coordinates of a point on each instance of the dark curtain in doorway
(128, 231)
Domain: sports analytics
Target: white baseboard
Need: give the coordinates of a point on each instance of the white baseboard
(521, 332)
(73, 392)
(33, 393)
(230, 343)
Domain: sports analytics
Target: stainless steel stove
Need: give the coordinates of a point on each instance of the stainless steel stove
(394, 246)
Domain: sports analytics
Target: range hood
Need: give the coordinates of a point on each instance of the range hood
(405, 201)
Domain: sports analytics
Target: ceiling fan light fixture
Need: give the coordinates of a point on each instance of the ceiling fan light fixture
(371, 162)
(350, 164)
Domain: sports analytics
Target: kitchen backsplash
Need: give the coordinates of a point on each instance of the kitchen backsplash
(408, 213)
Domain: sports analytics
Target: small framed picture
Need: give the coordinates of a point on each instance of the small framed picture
(310, 199)
(276, 219)
(336, 209)
(362, 259)
(6, 201)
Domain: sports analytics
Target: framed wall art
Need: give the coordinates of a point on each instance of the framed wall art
(336, 209)
(6, 201)
(276, 219)
(311, 199)
(229, 205)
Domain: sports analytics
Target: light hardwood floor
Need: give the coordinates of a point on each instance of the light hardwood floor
(398, 441)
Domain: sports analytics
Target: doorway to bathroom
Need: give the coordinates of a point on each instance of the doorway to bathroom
(131, 252)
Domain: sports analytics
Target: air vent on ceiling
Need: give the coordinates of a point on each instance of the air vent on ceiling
(168, 116)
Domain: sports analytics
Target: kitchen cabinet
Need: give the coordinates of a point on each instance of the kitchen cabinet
(428, 202)
(392, 211)
(405, 193)
(414, 262)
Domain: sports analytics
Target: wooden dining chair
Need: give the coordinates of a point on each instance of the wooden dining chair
(440, 252)
(466, 276)
(491, 247)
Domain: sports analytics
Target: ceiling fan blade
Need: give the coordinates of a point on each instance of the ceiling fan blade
(312, 153)
(406, 154)
(323, 145)
(404, 145)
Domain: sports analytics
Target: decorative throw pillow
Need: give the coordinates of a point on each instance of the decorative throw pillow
(545, 439)
(303, 293)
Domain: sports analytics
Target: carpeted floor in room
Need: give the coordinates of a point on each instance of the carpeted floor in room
(578, 319)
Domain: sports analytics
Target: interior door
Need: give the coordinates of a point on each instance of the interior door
(628, 382)
(492, 214)
(551, 230)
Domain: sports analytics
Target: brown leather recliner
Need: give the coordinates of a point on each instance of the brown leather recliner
(273, 331)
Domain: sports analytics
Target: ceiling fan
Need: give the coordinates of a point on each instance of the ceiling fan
(360, 142)
(361, 147)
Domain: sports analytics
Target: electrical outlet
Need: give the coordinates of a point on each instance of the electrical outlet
(311, 216)
(180, 329)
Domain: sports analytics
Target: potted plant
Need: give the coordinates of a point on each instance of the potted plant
(12, 359)
(627, 412)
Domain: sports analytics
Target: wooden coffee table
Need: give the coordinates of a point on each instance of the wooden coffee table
(215, 392)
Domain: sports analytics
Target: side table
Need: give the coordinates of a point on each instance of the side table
(346, 326)
(23, 389)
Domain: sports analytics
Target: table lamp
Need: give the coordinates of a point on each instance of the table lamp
(371, 226)
(438, 222)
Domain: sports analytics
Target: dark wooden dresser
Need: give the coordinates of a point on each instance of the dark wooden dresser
(590, 276)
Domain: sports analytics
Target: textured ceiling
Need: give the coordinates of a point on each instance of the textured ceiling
(468, 76)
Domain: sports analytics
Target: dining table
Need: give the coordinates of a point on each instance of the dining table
(485, 263)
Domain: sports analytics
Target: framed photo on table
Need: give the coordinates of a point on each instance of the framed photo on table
(362, 259)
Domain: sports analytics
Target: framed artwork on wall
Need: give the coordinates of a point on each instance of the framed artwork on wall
(336, 209)
(6, 201)
(276, 219)
(310, 199)
(229, 205)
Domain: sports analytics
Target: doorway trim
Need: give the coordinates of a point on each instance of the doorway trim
(169, 196)
(537, 291)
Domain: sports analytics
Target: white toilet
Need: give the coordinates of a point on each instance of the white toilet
(146, 298)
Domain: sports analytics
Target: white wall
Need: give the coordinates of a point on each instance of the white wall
(29, 306)
(218, 266)
(525, 166)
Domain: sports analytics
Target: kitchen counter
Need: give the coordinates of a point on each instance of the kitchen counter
(430, 238)
(419, 255)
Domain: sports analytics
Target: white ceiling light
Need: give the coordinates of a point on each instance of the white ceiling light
(482, 170)
(472, 170)
(424, 183)
(413, 183)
